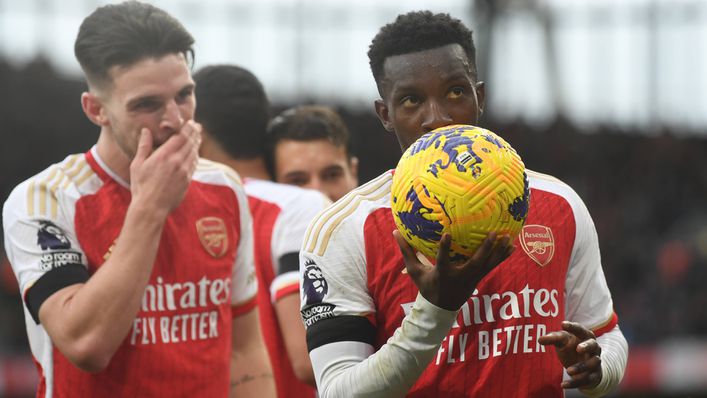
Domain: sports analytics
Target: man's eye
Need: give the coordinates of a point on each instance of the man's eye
(297, 181)
(332, 175)
(410, 101)
(146, 105)
(184, 95)
(455, 92)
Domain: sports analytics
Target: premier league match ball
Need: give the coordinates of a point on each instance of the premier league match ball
(462, 180)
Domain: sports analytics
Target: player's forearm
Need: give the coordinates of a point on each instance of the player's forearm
(294, 337)
(94, 320)
(251, 374)
(352, 369)
(614, 355)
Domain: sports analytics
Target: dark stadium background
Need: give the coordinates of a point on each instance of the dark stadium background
(641, 168)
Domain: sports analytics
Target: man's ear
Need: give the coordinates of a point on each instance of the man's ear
(353, 166)
(93, 108)
(383, 115)
(480, 89)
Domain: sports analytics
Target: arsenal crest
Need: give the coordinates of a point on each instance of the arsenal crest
(213, 235)
(538, 243)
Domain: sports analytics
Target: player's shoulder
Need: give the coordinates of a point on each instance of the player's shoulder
(551, 184)
(286, 197)
(210, 172)
(557, 189)
(39, 195)
(345, 217)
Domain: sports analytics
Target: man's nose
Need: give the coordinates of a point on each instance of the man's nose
(314, 183)
(435, 116)
(172, 117)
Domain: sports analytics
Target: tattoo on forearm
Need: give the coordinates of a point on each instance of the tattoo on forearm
(246, 378)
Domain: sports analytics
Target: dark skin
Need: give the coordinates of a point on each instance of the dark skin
(449, 285)
(434, 88)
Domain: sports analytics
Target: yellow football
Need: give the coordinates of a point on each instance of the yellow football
(462, 180)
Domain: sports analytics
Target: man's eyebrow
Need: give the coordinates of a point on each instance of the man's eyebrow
(137, 100)
(455, 76)
(296, 173)
(189, 86)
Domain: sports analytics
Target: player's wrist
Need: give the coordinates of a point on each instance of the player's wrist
(434, 309)
(146, 210)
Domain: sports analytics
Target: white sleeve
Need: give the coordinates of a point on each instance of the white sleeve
(352, 369)
(337, 308)
(294, 219)
(588, 300)
(41, 245)
(614, 355)
(244, 285)
(288, 233)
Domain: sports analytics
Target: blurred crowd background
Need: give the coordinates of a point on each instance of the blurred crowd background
(610, 97)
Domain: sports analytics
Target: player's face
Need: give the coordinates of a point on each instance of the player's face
(426, 90)
(316, 164)
(153, 93)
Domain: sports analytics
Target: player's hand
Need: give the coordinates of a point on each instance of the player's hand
(449, 285)
(579, 353)
(159, 178)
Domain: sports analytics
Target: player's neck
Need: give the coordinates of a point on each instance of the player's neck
(113, 157)
(249, 168)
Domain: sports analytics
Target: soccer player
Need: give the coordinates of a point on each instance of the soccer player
(382, 322)
(310, 147)
(135, 258)
(234, 110)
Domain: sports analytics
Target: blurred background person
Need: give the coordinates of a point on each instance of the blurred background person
(309, 146)
(233, 108)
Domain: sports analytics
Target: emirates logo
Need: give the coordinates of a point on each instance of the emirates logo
(213, 235)
(538, 243)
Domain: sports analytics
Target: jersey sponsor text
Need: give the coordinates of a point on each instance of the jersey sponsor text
(161, 296)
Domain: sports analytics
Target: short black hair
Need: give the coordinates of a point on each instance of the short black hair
(232, 106)
(307, 123)
(418, 31)
(123, 34)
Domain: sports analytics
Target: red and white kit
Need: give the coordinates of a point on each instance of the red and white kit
(60, 226)
(356, 292)
(281, 214)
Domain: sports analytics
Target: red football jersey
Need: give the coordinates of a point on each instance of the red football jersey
(70, 215)
(281, 214)
(353, 267)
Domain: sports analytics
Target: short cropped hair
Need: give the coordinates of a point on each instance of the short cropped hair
(307, 123)
(232, 106)
(418, 31)
(123, 34)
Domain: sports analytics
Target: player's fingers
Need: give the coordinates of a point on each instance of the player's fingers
(144, 146)
(445, 244)
(499, 253)
(589, 347)
(195, 133)
(411, 263)
(578, 330)
(584, 379)
(558, 339)
(484, 251)
(191, 132)
(592, 364)
(187, 140)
